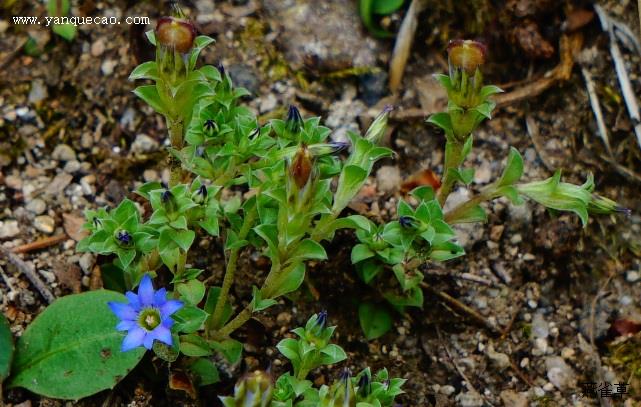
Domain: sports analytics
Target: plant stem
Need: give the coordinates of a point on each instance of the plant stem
(455, 214)
(452, 162)
(230, 270)
(302, 373)
(238, 321)
(175, 128)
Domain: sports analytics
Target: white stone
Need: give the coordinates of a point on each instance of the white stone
(632, 276)
(560, 373)
(388, 178)
(45, 224)
(63, 152)
(9, 228)
(37, 206)
(144, 144)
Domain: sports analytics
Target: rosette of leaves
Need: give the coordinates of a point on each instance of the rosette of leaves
(312, 348)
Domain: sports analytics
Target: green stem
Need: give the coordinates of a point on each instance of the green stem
(488, 193)
(228, 280)
(175, 128)
(302, 373)
(452, 162)
(238, 321)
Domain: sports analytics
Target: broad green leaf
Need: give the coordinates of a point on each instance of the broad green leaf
(513, 169)
(192, 291)
(308, 250)
(231, 349)
(361, 252)
(72, 349)
(365, 9)
(146, 70)
(489, 90)
(442, 120)
(184, 238)
(259, 303)
(205, 370)
(289, 282)
(189, 319)
(289, 348)
(331, 354)
(472, 214)
(375, 319)
(194, 345)
(150, 95)
(6, 348)
(349, 183)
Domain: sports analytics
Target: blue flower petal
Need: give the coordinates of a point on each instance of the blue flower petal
(160, 297)
(146, 291)
(123, 311)
(170, 307)
(126, 325)
(162, 333)
(133, 300)
(134, 339)
(148, 342)
(168, 322)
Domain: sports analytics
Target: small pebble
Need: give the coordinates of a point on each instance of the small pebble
(388, 178)
(108, 66)
(144, 144)
(45, 224)
(9, 228)
(37, 206)
(63, 152)
(632, 276)
(447, 390)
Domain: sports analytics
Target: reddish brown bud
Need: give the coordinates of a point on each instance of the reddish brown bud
(176, 33)
(301, 167)
(467, 54)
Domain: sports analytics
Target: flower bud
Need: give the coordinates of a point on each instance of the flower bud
(365, 384)
(209, 127)
(200, 196)
(602, 205)
(124, 238)
(294, 121)
(376, 130)
(321, 149)
(343, 391)
(253, 390)
(301, 167)
(407, 222)
(467, 55)
(175, 33)
(221, 69)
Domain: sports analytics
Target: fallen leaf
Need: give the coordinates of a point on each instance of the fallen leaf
(73, 226)
(419, 179)
(180, 381)
(68, 274)
(622, 327)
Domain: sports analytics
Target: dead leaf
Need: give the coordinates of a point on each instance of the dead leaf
(73, 226)
(68, 274)
(419, 179)
(180, 381)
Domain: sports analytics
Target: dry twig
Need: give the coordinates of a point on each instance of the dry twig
(403, 44)
(29, 272)
(596, 108)
(40, 244)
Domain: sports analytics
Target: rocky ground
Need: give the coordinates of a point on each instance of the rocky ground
(558, 305)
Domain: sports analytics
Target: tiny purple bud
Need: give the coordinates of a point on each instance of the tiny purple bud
(364, 385)
(210, 125)
(124, 238)
(321, 321)
(407, 222)
(200, 151)
(165, 196)
(294, 121)
(221, 69)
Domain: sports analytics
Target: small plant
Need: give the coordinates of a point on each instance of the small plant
(422, 231)
(310, 351)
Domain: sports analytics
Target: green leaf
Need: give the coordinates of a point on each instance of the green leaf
(194, 346)
(489, 90)
(6, 348)
(192, 291)
(513, 169)
(210, 305)
(331, 354)
(375, 319)
(231, 349)
(385, 7)
(58, 8)
(361, 252)
(199, 43)
(289, 282)
(442, 120)
(66, 31)
(308, 250)
(146, 70)
(149, 93)
(206, 371)
(485, 108)
(471, 215)
(349, 183)
(258, 303)
(184, 238)
(365, 9)
(72, 349)
(189, 319)
(464, 175)
(289, 348)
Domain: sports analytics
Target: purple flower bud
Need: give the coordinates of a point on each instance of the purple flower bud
(294, 121)
(96, 222)
(407, 222)
(321, 321)
(124, 238)
(166, 196)
(200, 151)
(364, 385)
(221, 69)
(210, 125)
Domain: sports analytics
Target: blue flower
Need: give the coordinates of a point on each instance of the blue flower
(147, 316)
